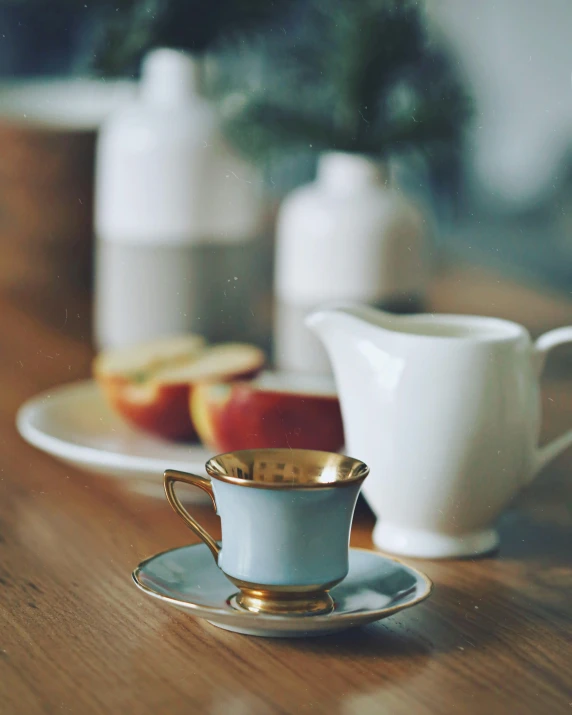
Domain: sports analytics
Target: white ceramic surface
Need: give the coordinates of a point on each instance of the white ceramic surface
(445, 411)
(188, 578)
(74, 424)
(170, 196)
(165, 174)
(349, 235)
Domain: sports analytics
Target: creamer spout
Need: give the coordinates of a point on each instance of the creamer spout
(342, 328)
(348, 319)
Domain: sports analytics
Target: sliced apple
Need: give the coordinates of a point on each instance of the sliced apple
(273, 410)
(150, 385)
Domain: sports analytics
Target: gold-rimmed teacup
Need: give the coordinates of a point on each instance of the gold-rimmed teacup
(286, 516)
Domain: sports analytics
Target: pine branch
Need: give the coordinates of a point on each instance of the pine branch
(127, 29)
(263, 127)
(355, 76)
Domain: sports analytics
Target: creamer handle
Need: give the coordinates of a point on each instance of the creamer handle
(542, 347)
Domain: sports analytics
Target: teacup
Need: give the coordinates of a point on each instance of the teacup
(286, 517)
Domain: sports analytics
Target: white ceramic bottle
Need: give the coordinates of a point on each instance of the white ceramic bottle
(348, 236)
(175, 214)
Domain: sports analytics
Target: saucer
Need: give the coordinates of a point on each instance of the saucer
(74, 424)
(188, 578)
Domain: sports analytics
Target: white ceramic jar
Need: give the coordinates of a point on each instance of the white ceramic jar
(348, 236)
(175, 214)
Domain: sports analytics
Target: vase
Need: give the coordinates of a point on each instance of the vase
(180, 218)
(349, 236)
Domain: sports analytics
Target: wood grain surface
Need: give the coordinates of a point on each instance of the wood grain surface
(77, 637)
(46, 205)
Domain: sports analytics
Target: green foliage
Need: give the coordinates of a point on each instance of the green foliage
(127, 29)
(352, 76)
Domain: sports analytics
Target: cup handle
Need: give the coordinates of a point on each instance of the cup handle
(542, 347)
(171, 476)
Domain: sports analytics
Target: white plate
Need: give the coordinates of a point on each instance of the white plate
(74, 424)
(70, 104)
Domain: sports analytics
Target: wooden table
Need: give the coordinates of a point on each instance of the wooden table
(77, 637)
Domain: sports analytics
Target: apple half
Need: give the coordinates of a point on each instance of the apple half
(276, 409)
(150, 385)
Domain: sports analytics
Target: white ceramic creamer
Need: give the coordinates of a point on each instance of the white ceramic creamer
(445, 410)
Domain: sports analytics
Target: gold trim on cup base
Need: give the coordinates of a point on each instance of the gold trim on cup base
(285, 604)
(283, 600)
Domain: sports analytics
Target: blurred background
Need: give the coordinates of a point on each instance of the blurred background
(466, 106)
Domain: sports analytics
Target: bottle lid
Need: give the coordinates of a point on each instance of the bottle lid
(345, 172)
(168, 76)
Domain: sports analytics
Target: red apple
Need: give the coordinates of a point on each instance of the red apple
(150, 385)
(274, 410)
